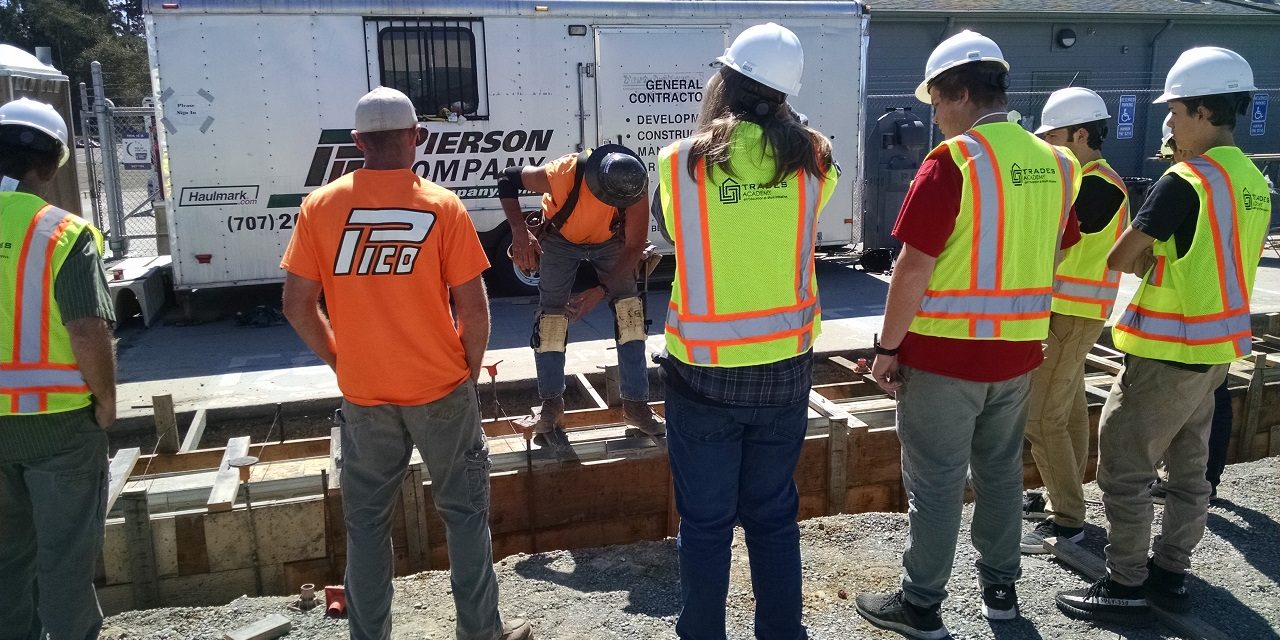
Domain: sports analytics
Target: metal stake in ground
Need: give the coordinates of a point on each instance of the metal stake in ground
(244, 464)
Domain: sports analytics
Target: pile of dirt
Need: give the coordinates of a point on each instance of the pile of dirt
(632, 591)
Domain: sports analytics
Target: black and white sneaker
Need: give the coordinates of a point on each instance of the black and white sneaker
(1033, 506)
(892, 611)
(1000, 602)
(1166, 589)
(1106, 601)
(1033, 542)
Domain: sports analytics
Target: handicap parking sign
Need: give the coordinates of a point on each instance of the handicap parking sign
(1258, 115)
(1124, 119)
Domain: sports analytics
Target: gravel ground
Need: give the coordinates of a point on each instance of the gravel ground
(631, 591)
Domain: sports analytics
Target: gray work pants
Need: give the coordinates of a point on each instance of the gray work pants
(951, 429)
(52, 514)
(1155, 410)
(376, 445)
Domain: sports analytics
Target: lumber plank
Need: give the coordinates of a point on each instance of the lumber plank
(143, 574)
(590, 390)
(846, 363)
(166, 423)
(203, 459)
(192, 548)
(1093, 568)
(191, 441)
(227, 483)
(1110, 366)
(268, 628)
(121, 466)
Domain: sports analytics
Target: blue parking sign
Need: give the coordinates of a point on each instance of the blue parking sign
(1124, 119)
(1258, 115)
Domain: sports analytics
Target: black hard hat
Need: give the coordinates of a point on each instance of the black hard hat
(616, 175)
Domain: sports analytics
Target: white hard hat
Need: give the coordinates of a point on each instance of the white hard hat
(39, 116)
(1073, 105)
(964, 47)
(1205, 71)
(769, 54)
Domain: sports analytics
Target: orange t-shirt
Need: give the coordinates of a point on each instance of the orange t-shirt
(591, 218)
(386, 246)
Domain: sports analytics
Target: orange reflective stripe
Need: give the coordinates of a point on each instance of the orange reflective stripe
(47, 292)
(707, 281)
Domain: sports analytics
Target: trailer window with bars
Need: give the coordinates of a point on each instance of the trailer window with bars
(438, 63)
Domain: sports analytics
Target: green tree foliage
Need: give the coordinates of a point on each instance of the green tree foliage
(81, 31)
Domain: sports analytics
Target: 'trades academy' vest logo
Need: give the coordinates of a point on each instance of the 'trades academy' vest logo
(1256, 201)
(733, 192)
(1031, 175)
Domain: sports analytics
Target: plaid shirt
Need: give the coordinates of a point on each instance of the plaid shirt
(775, 384)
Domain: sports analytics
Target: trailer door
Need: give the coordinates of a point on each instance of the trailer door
(649, 87)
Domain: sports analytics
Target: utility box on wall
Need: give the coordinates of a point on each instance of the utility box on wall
(22, 75)
(895, 149)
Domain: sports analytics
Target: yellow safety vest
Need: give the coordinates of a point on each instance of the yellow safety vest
(745, 292)
(1083, 285)
(1194, 309)
(994, 278)
(38, 371)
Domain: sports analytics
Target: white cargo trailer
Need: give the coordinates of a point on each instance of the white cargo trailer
(255, 99)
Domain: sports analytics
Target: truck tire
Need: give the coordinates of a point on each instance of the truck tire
(503, 278)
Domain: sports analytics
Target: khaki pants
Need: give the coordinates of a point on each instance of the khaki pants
(1155, 409)
(1058, 416)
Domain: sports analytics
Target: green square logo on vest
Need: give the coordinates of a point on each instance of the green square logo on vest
(730, 191)
(1260, 201)
(1015, 174)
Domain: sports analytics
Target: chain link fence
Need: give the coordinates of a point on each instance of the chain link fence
(121, 163)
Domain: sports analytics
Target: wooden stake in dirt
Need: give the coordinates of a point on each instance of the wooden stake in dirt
(142, 550)
(268, 628)
(166, 424)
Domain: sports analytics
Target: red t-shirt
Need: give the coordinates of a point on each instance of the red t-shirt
(926, 221)
(387, 246)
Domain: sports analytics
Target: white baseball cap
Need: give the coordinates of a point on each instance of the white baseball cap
(385, 109)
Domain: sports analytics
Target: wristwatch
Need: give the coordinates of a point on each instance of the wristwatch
(881, 351)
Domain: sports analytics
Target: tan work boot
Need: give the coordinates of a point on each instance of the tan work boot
(638, 414)
(549, 417)
(516, 629)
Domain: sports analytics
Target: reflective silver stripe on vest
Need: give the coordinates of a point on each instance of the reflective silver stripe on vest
(808, 217)
(688, 218)
(1183, 331)
(34, 297)
(975, 305)
(986, 190)
(717, 330)
(1101, 293)
(1224, 213)
(17, 380)
(1068, 181)
(29, 403)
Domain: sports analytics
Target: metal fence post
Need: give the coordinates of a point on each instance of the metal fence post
(116, 238)
(90, 165)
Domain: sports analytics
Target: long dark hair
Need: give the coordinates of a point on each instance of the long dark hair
(732, 98)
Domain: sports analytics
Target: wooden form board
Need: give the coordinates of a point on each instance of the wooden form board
(121, 467)
(227, 483)
(191, 441)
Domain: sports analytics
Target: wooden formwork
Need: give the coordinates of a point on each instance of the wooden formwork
(617, 490)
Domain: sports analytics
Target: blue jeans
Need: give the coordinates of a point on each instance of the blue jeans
(556, 271)
(736, 465)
